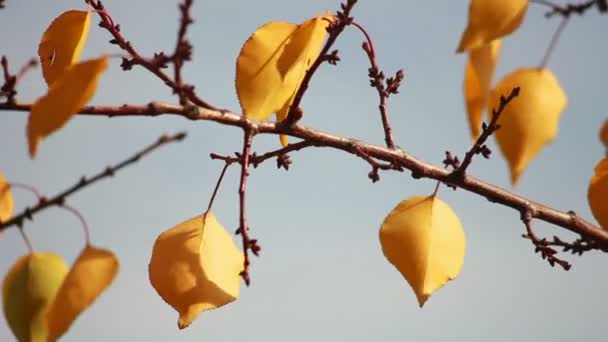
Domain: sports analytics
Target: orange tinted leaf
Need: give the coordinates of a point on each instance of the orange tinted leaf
(604, 134)
(91, 274)
(423, 238)
(6, 200)
(65, 97)
(273, 62)
(531, 120)
(196, 266)
(28, 288)
(491, 19)
(62, 43)
(479, 72)
(598, 193)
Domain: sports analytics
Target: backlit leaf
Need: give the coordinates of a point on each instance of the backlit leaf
(531, 120)
(491, 19)
(62, 43)
(423, 238)
(598, 193)
(6, 200)
(27, 290)
(91, 274)
(65, 97)
(479, 72)
(196, 266)
(272, 64)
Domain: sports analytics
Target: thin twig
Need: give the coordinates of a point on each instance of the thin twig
(398, 157)
(553, 42)
(9, 88)
(83, 222)
(153, 65)
(255, 160)
(479, 146)
(183, 49)
(217, 186)
(59, 199)
(546, 252)
(377, 79)
(335, 28)
(243, 230)
(568, 9)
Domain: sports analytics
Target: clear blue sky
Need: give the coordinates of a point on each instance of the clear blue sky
(321, 275)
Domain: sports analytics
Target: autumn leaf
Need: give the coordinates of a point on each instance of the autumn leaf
(62, 43)
(27, 290)
(65, 97)
(491, 19)
(92, 272)
(423, 238)
(604, 134)
(272, 64)
(531, 120)
(196, 266)
(597, 194)
(479, 72)
(6, 200)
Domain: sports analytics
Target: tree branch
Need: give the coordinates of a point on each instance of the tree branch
(59, 199)
(398, 157)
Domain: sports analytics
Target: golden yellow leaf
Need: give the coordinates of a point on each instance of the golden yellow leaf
(6, 200)
(604, 134)
(423, 238)
(272, 64)
(65, 97)
(62, 43)
(91, 274)
(27, 290)
(479, 72)
(598, 193)
(531, 120)
(491, 19)
(196, 266)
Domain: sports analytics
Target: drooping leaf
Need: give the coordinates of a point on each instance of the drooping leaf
(6, 200)
(196, 266)
(491, 19)
(531, 120)
(479, 72)
(62, 43)
(27, 290)
(74, 88)
(423, 238)
(92, 272)
(272, 64)
(598, 193)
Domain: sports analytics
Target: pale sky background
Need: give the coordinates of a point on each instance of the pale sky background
(321, 275)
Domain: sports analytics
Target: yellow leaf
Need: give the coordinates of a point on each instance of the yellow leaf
(65, 97)
(604, 134)
(491, 19)
(28, 289)
(531, 120)
(62, 43)
(479, 72)
(91, 274)
(423, 238)
(273, 62)
(598, 193)
(196, 266)
(6, 200)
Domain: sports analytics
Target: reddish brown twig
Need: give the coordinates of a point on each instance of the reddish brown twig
(568, 9)
(153, 65)
(9, 87)
(249, 244)
(335, 28)
(377, 81)
(541, 245)
(283, 159)
(479, 147)
(60, 198)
